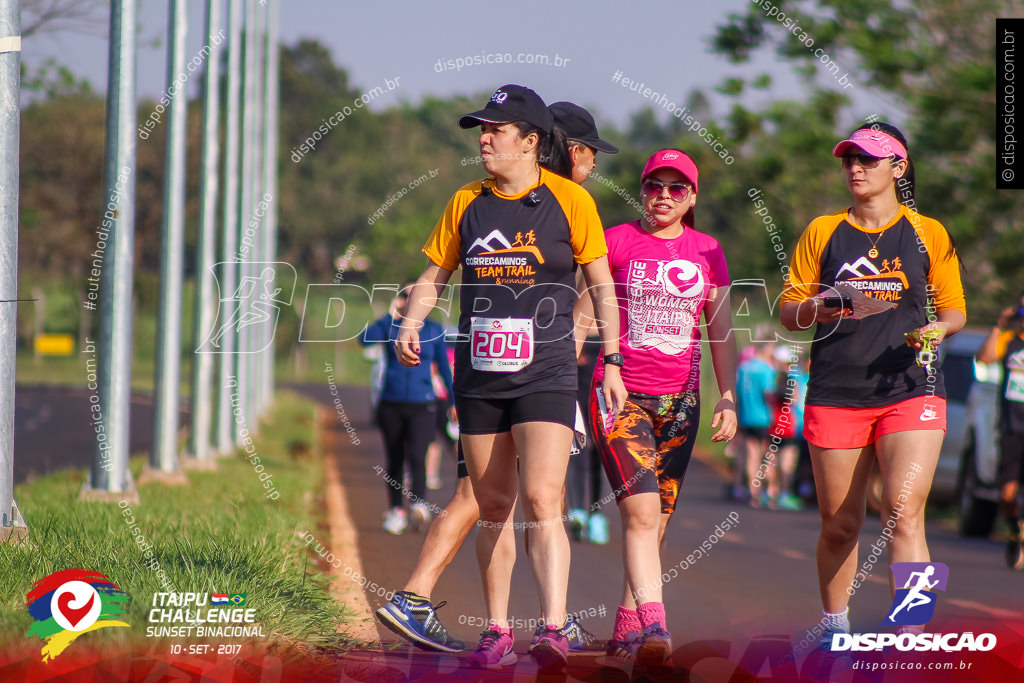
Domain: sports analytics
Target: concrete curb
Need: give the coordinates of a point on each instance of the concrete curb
(343, 538)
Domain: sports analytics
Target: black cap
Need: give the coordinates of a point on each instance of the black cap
(577, 124)
(512, 103)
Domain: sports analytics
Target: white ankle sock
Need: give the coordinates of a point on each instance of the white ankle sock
(839, 621)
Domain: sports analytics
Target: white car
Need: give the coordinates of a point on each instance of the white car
(971, 434)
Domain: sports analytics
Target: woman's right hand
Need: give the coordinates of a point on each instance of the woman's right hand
(407, 347)
(1004, 318)
(823, 314)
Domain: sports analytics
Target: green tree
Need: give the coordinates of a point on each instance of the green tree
(935, 62)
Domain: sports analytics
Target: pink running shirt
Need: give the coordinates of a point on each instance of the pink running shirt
(661, 286)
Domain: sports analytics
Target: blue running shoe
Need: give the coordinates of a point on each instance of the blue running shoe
(577, 522)
(827, 636)
(597, 529)
(655, 646)
(624, 649)
(412, 617)
(580, 639)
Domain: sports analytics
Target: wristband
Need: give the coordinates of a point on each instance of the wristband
(614, 359)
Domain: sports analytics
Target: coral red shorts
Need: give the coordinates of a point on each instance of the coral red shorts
(828, 427)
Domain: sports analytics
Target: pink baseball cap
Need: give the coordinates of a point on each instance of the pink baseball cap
(675, 159)
(874, 142)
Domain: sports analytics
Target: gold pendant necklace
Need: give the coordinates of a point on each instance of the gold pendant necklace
(873, 251)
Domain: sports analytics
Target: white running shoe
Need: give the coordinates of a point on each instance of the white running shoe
(420, 516)
(394, 521)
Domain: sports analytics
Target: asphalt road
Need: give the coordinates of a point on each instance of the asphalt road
(752, 592)
(53, 429)
(745, 600)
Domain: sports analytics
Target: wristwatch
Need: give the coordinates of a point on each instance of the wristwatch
(614, 359)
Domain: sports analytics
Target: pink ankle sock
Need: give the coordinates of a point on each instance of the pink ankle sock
(507, 630)
(651, 613)
(626, 620)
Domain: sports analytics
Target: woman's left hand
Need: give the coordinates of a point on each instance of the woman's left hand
(615, 393)
(934, 327)
(724, 420)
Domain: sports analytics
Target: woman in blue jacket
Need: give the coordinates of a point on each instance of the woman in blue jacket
(406, 413)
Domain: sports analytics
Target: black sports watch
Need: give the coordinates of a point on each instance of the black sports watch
(614, 359)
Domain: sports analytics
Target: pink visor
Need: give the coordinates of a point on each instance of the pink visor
(873, 142)
(675, 159)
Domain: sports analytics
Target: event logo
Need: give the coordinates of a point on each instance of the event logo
(257, 300)
(71, 602)
(681, 278)
(886, 284)
(914, 603)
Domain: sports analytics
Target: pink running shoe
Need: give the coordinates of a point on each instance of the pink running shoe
(550, 647)
(494, 651)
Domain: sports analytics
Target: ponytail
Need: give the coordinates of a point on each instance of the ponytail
(552, 153)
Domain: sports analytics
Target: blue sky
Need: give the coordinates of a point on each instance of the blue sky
(664, 45)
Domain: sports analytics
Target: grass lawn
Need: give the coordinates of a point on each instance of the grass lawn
(218, 534)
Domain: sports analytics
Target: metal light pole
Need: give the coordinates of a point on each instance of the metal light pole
(163, 459)
(110, 478)
(229, 245)
(269, 233)
(12, 526)
(246, 290)
(253, 359)
(206, 306)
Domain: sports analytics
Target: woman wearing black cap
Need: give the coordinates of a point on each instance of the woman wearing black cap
(582, 140)
(874, 390)
(517, 236)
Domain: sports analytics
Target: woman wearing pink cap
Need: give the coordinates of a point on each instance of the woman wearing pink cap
(666, 274)
(874, 391)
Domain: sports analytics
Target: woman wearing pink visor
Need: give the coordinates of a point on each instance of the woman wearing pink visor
(875, 389)
(666, 274)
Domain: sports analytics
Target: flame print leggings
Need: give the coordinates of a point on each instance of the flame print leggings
(649, 446)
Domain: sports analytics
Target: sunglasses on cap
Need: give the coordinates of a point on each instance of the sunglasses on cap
(865, 160)
(677, 191)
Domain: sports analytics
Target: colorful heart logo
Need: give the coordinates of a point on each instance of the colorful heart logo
(72, 614)
(76, 605)
(683, 278)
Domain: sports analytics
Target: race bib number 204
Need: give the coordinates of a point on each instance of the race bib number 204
(501, 344)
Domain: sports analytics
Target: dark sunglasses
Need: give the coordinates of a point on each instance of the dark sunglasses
(865, 160)
(677, 191)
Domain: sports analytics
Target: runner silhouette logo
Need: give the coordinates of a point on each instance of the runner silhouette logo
(916, 585)
(263, 288)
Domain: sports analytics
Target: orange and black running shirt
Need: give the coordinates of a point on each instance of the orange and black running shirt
(518, 254)
(867, 363)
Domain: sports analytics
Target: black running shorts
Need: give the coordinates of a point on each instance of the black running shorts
(497, 415)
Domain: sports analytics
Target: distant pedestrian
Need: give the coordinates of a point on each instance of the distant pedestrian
(1005, 344)
(787, 424)
(755, 391)
(407, 413)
